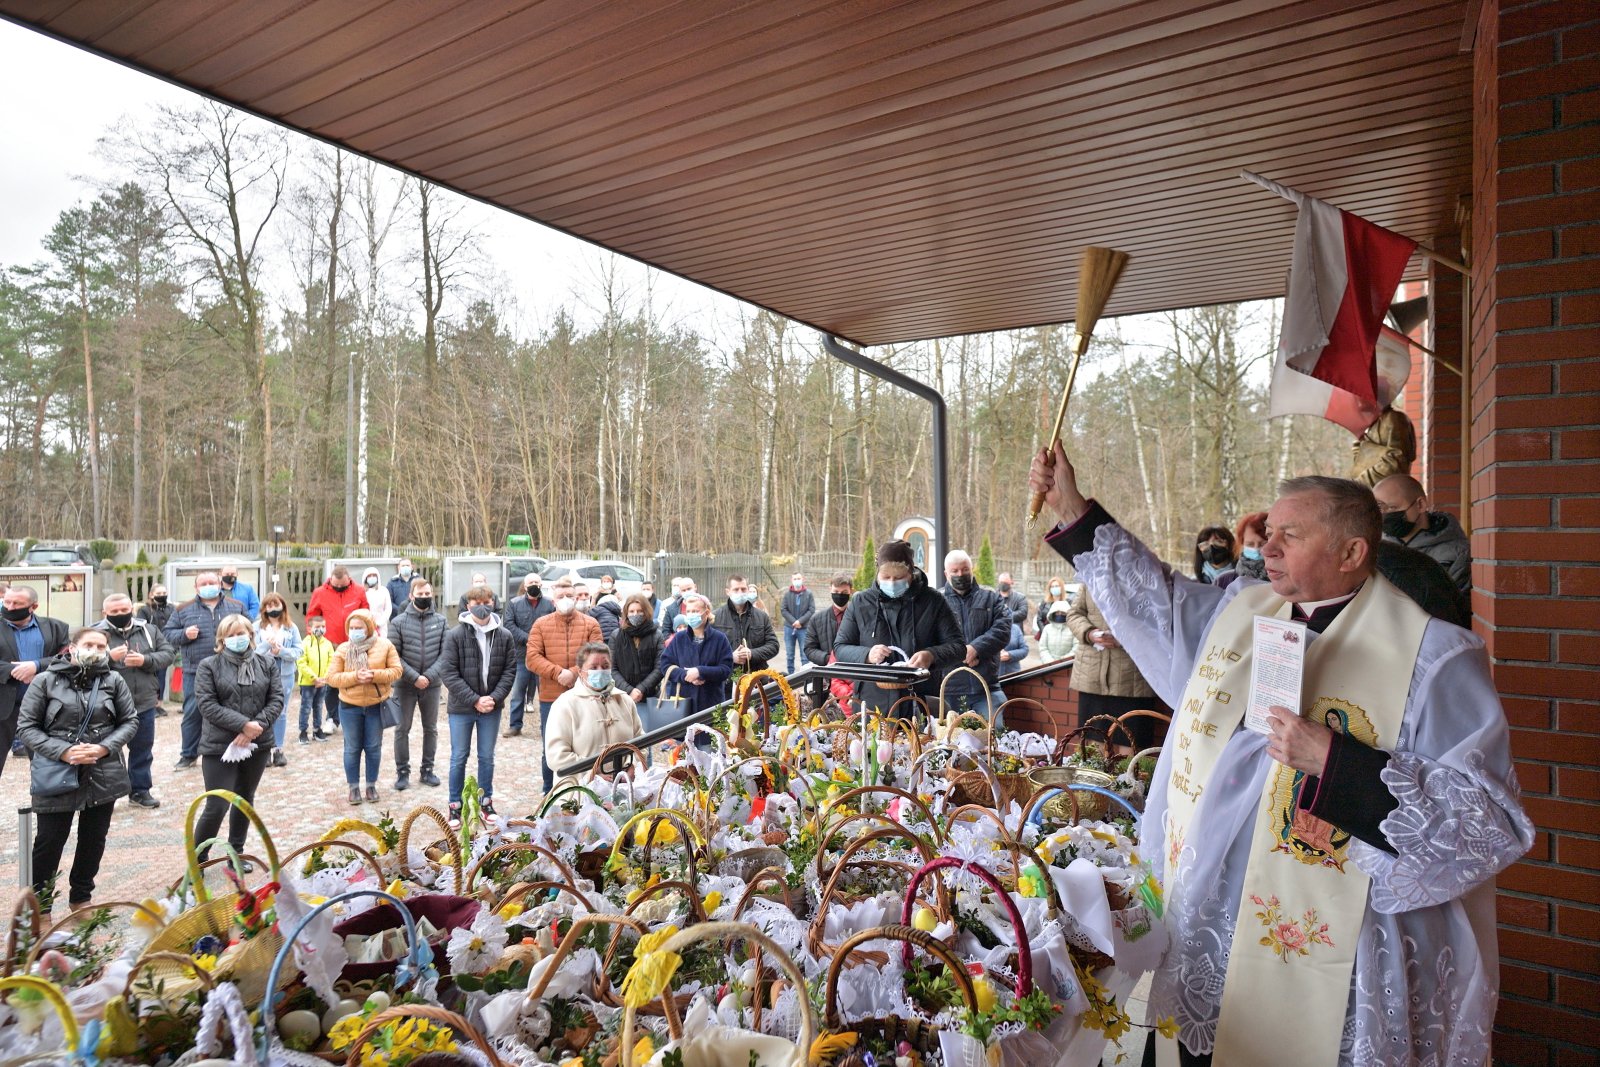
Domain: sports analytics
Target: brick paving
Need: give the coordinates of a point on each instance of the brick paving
(144, 852)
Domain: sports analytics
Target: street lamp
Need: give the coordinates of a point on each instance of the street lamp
(277, 534)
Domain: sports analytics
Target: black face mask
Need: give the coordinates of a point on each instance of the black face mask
(1217, 555)
(422, 603)
(1396, 525)
(273, 613)
(159, 601)
(18, 614)
(230, 580)
(534, 592)
(1005, 587)
(841, 599)
(122, 621)
(961, 583)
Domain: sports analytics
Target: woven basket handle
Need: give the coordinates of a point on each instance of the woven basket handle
(464, 1030)
(201, 893)
(1024, 953)
(911, 936)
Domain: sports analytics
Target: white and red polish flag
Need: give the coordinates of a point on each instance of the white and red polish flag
(1342, 279)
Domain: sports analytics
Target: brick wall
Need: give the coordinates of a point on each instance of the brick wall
(1053, 689)
(1535, 467)
(1439, 433)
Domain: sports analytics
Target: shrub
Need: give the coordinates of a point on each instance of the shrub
(985, 565)
(103, 549)
(867, 573)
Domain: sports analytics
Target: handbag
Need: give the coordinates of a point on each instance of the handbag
(54, 778)
(389, 713)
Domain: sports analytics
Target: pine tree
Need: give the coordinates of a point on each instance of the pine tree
(986, 564)
(867, 573)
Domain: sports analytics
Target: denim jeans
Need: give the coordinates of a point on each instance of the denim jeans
(544, 732)
(792, 640)
(462, 727)
(142, 752)
(189, 733)
(280, 725)
(363, 733)
(312, 698)
(526, 687)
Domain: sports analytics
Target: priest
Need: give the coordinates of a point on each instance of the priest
(1330, 882)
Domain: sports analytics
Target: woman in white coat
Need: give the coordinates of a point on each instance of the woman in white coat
(378, 601)
(592, 714)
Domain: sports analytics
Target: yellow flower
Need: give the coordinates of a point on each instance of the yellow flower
(830, 1047)
(206, 961)
(712, 902)
(840, 774)
(648, 977)
(985, 991)
(397, 888)
(511, 910)
(147, 922)
(1168, 1028)
(644, 1049)
(663, 832)
(345, 1031)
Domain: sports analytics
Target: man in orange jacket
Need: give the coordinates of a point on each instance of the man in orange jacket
(553, 645)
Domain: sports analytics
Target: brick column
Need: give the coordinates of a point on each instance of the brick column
(1535, 470)
(1439, 432)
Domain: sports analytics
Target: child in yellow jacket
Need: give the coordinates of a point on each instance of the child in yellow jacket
(316, 655)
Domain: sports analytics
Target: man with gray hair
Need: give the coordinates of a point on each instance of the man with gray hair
(1320, 859)
(985, 622)
(28, 642)
(141, 653)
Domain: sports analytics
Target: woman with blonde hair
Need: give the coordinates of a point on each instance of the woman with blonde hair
(363, 671)
(279, 640)
(239, 696)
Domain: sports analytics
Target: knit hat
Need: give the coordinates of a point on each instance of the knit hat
(896, 552)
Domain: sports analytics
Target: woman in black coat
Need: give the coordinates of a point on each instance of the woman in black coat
(240, 696)
(900, 611)
(636, 653)
(77, 712)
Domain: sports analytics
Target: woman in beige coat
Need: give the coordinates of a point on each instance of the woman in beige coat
(1104, 675)
(361, 675)
(592, 714)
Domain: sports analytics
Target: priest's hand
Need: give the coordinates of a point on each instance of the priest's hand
(1052, 475)
(1297, 741)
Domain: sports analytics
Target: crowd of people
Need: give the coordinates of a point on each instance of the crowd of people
(374, 657)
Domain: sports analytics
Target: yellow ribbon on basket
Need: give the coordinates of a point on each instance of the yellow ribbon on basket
(653, 967)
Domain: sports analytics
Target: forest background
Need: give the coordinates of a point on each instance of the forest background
(231, 311)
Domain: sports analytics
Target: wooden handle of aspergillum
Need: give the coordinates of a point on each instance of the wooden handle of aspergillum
(1036, 505)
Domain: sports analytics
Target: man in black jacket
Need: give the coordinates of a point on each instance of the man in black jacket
(28, 642)
(747, 627)
(479, 668)
(985, 623)
(1016, 602)
(797, 607)
(417, 634)
(141, 653)
(824, 627)
(521, 614)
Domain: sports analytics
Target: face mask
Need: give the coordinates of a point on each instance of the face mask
(1396, 525)
(534, 592)
(1055, 590)
(358, 633)
(18, 614)
(422, 603)
(841, 599)
(894, 589)
(230, 580)
(1005, 587)
(339, 588)
(743, 598)
(599, 680)
(1062, 619)
(91, 658)
(159, 601)
(1217, 555)
(209, 592)
(405, 572)
(372, 581)
(236, 643)
(797, 586)
(273, 613)
(121, 622)
(961, 583)
(479, 611)
(1251, 553)
(318, 633)
(565, 605)
(635, 618)
(694, 621)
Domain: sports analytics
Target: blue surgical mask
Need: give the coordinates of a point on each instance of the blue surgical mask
(1251, 553)
(209, 592)
(236, 643)
(743, 598)
(894, 589)
(694, 620)
(599, 680)
(357, 634)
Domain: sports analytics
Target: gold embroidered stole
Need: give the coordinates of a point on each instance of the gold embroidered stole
(1303, 902)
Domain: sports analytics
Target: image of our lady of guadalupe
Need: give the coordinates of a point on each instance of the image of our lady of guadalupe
(1302, 835)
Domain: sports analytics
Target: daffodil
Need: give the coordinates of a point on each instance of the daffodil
(712, 901)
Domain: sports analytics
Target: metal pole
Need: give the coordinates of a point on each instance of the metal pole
(24, 848)
(350, 449)
(941, 509)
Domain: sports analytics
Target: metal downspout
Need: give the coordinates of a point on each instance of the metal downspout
(868, 365)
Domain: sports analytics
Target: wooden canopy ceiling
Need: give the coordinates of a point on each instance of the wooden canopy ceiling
(886, 170)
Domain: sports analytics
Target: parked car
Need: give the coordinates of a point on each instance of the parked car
(588, 571)
(60, 556)
(518, 568)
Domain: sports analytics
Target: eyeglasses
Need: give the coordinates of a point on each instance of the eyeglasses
(1213, 543)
